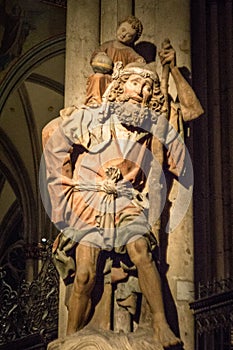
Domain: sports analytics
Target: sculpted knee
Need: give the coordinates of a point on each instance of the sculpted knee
(84, 277)
(138, 252)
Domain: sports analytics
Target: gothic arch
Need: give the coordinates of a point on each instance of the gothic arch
(12, 165)
(14, 171)
(29, 61)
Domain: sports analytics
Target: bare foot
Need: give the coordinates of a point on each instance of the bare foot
(165, 336)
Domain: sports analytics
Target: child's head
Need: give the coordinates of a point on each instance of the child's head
(129, 30)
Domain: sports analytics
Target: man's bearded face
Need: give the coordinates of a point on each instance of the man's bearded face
(138, 89)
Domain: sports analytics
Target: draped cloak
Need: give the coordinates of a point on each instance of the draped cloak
(103, 199)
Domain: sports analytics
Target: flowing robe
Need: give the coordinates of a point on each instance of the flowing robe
(103, 201)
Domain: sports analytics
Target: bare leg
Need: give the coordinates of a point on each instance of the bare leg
(80, 300)
(149, 281)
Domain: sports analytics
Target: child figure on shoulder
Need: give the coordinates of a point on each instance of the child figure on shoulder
(110, 52)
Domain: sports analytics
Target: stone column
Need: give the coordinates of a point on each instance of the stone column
(112, 12)
(82, 36)
(171, 19)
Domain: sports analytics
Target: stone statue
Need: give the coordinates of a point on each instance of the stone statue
(101, 203)
(121, 49)
(103, 59)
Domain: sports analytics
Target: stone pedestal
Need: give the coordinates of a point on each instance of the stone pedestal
(106, 340)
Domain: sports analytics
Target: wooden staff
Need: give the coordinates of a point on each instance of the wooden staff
(165, 77)
(158, 151)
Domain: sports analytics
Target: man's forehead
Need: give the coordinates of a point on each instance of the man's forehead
(138, 77)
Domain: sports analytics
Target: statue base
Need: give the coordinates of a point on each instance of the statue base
(91, 339)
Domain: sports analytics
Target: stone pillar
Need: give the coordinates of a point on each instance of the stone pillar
(82, 37)
(171, 19)
(112, 12)
(32, 261)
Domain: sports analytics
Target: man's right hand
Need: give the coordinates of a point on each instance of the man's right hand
(167, 54)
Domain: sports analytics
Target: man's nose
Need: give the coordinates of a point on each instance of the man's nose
(145, 93)
(140, 90)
